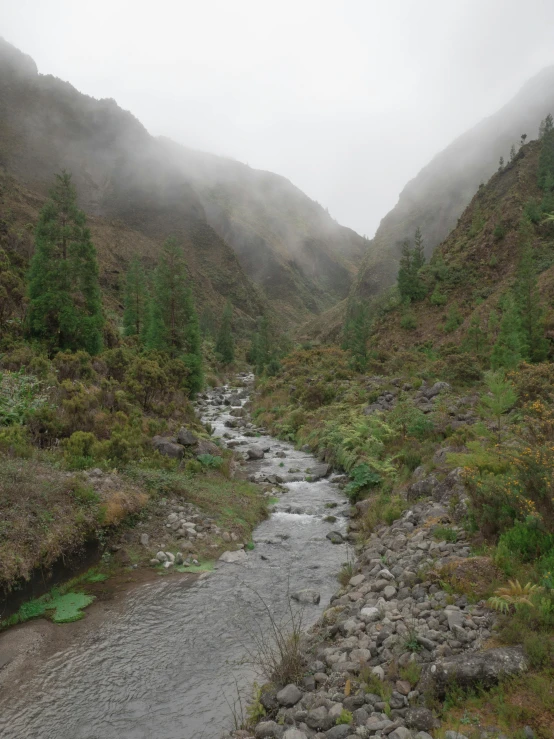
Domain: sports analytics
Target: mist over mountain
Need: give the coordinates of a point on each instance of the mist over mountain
(437, 196)
(285, 242)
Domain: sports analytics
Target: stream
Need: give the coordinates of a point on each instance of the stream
(168, 666)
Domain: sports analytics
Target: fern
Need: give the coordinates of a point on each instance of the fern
(513, 596)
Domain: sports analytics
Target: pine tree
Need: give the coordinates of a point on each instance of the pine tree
(135, 300)
(355, 340)
(224, 345)
(512, 153)
(507, 351)
(418, 258)
(546, 157)
(534, 343)
(410, 284)
(173, 324)
(501, 164)
(65, 306)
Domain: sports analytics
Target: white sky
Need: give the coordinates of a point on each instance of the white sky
(346, 98)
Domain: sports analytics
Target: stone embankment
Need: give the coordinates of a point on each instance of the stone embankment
(392, 641)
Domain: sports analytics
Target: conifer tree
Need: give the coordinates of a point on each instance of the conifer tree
(546, 157)
(173, 324)
(135, 300)
(534, 343)
(356, 334)
(65, 306)
(224, 345)
(410, 285)
(475, 340)
(507, 351)
(512, 153)
(501, 164)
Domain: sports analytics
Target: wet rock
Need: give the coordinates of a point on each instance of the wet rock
(186, 437)
(308, 595)
(238, 557)
(318, 471)
(335, 537)
(289, 696)
(255, 453)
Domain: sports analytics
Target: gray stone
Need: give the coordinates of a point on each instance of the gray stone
(435, 389)
(144, 540)
(318, 718)
(308, 595)
(401, 733)
(423, 735)
(389, 592)
(357, 580)
(529, 733)
(318, 471)
(167, 447)
(179, 559)
(420, 718)
(335, 537)
(268, 730)
(161, 557)
(339, 732)
(483, 668)
(238, 557)
(454, 735)
(294, 734)
(289, 695)
(186, 437)
(205, 446)
(255, 453)
(370, 614)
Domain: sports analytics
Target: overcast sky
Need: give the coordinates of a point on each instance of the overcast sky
(349, 99)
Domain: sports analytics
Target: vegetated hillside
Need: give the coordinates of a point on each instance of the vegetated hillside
(145, 189)
(437, 196)
(286, 242)
(476, 265)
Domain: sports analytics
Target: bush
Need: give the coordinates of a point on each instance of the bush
(20, 396)
(408, 322)
(362, 478)
(438, 298)
(79, 450)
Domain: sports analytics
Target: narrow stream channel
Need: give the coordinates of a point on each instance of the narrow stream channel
(168, 665)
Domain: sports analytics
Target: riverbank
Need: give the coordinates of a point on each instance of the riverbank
(169, 656)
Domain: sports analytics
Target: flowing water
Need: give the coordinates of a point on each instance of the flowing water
(168, 666)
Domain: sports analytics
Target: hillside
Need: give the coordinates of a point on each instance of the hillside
(437, 196)
(142, 189)
(476, 264)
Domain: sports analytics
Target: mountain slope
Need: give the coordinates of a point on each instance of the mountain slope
(437, 196)
(477, 263)
(221, 209)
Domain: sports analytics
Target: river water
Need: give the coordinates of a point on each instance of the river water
(168, 666)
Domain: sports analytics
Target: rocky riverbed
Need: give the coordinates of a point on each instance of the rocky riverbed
(395, 638)
(168, 660)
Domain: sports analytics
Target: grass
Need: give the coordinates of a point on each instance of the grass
(510, 706)
(445, 533)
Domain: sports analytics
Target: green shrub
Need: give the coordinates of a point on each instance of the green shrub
(79, 450)
(193, 467)
(15, 441)
(408, 321)
(438, 298)
(345, 717)
(208, 460)
(362, 478)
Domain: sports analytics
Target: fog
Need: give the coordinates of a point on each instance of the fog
(346, 98)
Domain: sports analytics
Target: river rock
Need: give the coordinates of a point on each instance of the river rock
(186, 437)
(255, 453)
(339, 732)
(294, 734)
(268, 730)
(318, 471)
(161, 556)
(289, 695)
(420, 718)
(335, 537)
(308, 595)
(207, 447)
(238, 557)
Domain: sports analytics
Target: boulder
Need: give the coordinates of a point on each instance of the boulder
(294, 734)
(255, 453)
(268, 730)
(207, 447)
(318, 471)
(435, 389)
(167, 447)
(186, 437)
(475, 668)
(308, 595)
(420, 718)
(335, 537)
(238, 557)
(339, 732)
(289, 696)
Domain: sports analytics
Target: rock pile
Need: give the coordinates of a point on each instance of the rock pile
(389, 639)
